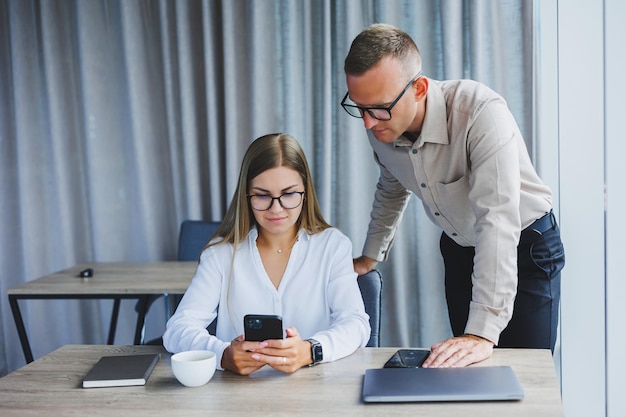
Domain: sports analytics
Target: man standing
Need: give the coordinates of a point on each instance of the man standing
(456, 145)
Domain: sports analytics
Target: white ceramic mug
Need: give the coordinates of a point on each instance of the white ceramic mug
(193, 368)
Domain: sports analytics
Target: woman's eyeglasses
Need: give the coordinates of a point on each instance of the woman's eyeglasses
(263, 202)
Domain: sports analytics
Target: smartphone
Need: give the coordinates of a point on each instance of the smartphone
(259, 327)
(408, 358)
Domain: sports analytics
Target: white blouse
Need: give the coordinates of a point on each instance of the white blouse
(318, 295)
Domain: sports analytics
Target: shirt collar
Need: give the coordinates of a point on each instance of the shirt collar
(435, 126)
(254, 233)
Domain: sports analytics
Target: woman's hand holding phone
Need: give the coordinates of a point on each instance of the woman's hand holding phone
(263, 344)
(238, 357)
(286, 355)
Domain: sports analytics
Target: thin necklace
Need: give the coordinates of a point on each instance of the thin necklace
(294, 242)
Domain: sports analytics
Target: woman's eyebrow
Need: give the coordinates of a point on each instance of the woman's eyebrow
(263, 190)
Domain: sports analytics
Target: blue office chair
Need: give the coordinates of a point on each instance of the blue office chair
(193, 236)
(371, 286)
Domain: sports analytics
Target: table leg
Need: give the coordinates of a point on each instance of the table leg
(141, 318)
(114, 316)
(21, 330)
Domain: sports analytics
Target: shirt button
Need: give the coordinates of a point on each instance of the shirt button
(423, 185)
(436, 213)
(414, 151)
(455, 234)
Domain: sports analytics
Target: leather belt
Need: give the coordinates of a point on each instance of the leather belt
(543, 224)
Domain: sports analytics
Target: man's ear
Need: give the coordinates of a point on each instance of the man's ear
(421, 88)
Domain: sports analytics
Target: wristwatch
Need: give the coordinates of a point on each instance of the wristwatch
(316, 351)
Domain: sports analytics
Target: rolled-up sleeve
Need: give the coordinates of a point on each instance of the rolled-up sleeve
(390, 201)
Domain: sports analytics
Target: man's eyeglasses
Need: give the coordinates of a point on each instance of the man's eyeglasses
(379, 113)
(263, 202)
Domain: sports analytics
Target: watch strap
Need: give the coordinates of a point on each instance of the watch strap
(316, 351)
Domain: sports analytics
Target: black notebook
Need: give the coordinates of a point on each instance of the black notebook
(121, 371)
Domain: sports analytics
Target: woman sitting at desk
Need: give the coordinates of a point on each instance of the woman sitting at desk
(273, 254)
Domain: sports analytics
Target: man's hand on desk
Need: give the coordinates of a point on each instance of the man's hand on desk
(458, 352)
(286, 355)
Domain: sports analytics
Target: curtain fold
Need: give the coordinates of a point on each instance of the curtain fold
(120, 119)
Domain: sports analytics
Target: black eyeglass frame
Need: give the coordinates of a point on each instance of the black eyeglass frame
(362, 109)
(276, 198)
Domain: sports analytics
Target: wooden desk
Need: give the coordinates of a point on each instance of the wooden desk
(52, 386)
(114, 281)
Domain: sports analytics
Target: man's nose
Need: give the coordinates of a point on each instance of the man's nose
(369, 121)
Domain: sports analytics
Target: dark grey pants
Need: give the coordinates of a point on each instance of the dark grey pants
(536, 310)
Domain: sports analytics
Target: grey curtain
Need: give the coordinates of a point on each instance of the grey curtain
(121, 118)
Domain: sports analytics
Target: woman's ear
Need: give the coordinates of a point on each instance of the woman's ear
(421, 88)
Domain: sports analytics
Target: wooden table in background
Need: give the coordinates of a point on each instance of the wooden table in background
(114, 281)
(52, 386)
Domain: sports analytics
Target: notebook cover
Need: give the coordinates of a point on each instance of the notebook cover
(121, 371)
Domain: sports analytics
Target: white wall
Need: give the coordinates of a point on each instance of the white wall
(582, 62)
(615, 92)
(581, 144)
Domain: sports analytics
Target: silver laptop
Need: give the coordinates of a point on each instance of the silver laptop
(496, 383)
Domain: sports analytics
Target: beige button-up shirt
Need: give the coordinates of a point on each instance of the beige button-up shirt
(471, 170)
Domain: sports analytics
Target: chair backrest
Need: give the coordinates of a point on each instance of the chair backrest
(371, 286)
(194, 234)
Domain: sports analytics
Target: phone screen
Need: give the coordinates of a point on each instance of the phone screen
(259, 327)
(408, 358)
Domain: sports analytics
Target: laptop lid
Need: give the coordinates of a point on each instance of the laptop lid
(496, 383)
